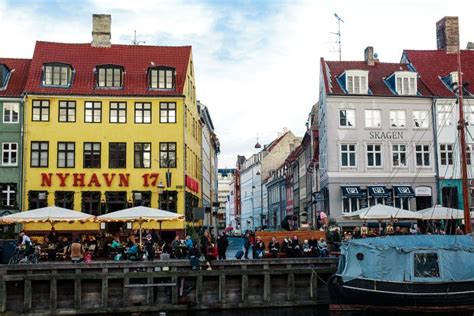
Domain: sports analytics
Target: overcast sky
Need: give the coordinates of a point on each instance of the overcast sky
(256, 62)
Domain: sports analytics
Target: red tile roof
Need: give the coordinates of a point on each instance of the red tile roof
(433, 64)
(332, 69)
(18, 75)
(135, 59)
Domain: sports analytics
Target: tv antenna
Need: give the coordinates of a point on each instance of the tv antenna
(135, 41)
(338, 34)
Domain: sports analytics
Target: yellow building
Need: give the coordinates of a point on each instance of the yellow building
(105, 124)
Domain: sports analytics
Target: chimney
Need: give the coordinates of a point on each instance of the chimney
(101, 30)
(369, 56)
(447, 34)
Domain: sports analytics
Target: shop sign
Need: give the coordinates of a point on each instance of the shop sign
(95, 179)
(423, 191)
(385, 135)
(192, 184)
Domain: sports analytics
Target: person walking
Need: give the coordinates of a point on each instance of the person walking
(222, 244)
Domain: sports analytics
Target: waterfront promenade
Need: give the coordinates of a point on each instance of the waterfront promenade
(108, 287)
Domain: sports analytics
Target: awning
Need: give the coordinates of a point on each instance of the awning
(378, 191)
(404, 191)
(351, 192)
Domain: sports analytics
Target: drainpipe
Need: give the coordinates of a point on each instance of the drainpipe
(435, 142)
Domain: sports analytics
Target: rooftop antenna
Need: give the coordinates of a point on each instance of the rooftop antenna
(135, 41)
(338, 34)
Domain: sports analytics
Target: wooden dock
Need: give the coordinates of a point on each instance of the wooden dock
(109, 287)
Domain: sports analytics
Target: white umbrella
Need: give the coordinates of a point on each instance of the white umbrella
(140, 214)
(381, 212)
(441, 212)
(50, 214)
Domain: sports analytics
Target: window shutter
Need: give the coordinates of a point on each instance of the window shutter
(412, 86)
(399, 85)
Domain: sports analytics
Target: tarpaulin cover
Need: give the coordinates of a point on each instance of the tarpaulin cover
(392, 258)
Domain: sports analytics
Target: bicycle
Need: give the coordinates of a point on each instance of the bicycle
(20, 256)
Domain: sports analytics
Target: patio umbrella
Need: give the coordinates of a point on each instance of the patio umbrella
(382, 212)
(441, 212)
(48, 214)
(140, 215)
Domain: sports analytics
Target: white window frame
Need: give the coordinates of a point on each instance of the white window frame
(350, 117)
(357, 81)
(57, 75)
(445, 114)
(398, 118)
(446, 150)
(373, 118)
(470, 154)
(398, 152)
(425, 123)
(16, 108)
(423, 152)
(348, 152)
(350, 204)
(10, 153)
(406, 82)
(374, 152)
(469, 114)
(11, 200)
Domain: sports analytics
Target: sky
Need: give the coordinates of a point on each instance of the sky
(256, 62)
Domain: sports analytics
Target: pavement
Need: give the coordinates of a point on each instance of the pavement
(235, 244)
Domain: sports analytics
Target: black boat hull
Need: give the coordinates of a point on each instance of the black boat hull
(370, 294)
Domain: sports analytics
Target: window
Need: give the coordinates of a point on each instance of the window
(162, 78)
(348, 155)
(91, 203)
(117, 155)
(350, 204)
(57, 75)
(9, 154)
(142, 155)
(66, 155)
(356, 82)
(420, 119)
(93, 112)
(469, 153)
(168, 201)
(142, 198)
(92, 155)
(446, 154)
(37, 199)
(167, 112)
(445, 115)
(373, 118)
(143, 113)
(39, 154)
(118, 112)
(402, 202)
(11, 112)
(67, 111)
(347, 118)
(8, 195)
(399, 155)
(406, 82)
(40, 110)
(109, 77)
(426, 265)
(167, 155)
(469, 114)
(64, 199)
(422, 153)
(397, 119)
(374, 155)
(4, 72)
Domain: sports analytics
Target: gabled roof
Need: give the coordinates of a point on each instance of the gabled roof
(377, 73)
(18, 75)
(433, 64)
(135, 59)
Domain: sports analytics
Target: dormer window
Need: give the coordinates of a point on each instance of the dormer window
(110, 76)
(57, 75)
(355, 81)
(406, 82)
(4, 73)
(162, 78)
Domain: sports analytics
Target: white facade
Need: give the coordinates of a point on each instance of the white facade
(224, 177)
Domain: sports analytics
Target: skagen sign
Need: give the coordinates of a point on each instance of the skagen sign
(385, 135)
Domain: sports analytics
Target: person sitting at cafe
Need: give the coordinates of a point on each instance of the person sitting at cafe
(76, 250)
(53, 235)
(132, 251)
(259, 248)
(194, 255)
(177, 247)
(116, 243)
(274, 247)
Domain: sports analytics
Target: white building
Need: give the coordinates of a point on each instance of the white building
(224, 178)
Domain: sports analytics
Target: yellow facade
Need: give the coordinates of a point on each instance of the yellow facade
(129, 179)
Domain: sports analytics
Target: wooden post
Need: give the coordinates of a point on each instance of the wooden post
(199, 289)
(222, 287)
(105, 288)
(126, 281)
(245, 288)
(267, 288)
(291, 287)
(149, 292)
(174, 290)
(53, 290)
(3, 296)
(314, 285)
(77, 289)
(27, 293)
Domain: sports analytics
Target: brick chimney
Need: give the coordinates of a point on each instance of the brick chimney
(101, 30)
(369, 56)
(447, 34)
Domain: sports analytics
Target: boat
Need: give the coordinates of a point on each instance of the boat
(415, 273)
(435, 272)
